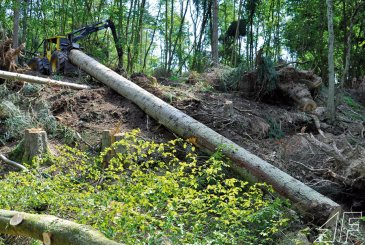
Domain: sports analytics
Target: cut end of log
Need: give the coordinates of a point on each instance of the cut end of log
(308, 105)
(46, 238)
(16, 219)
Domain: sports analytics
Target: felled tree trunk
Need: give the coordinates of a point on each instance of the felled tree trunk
(35, 144)
(300, 94)
(297, 85)
(50, 229)
(40, 80)
(312, 203)
(293, 83)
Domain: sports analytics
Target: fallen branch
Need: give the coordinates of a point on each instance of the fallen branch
(40, 80)
(318, 124)
(12, 163)
(324, 171)
(329, 150)
(50, 229)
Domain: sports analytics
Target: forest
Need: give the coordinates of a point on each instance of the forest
(182, 122)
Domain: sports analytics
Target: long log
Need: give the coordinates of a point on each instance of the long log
(310, 202)
(50, 229)
(40, 80)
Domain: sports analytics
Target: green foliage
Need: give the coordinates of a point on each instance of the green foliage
(355, 110)
(275, 131)
(267, 78)
(348, 100)
(229, 78)
(19, 112)
(149, 193)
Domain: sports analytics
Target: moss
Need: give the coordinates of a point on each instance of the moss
(17, 154)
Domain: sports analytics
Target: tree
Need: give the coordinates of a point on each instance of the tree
(331, 67)
(214, 44)
(16, 9)
(348, 43)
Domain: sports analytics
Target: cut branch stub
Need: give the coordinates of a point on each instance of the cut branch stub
(35, 144)
(46, 238)
(16, 219)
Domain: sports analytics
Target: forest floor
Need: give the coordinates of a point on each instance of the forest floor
(273, 129)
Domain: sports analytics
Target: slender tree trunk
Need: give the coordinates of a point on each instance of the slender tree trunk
(169, 56)
(236, 35)
(166, 35)
(179, 34)
(119, 34)
(24, 26)
(215, 56)
(16, 9)
(331, 66)
(152, 38)
(349, 44)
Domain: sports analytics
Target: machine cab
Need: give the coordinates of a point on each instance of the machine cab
(54, 44)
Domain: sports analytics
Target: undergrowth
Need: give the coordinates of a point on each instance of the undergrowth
(154, 193)
(275, 131)
(356, 110)
(21, 110)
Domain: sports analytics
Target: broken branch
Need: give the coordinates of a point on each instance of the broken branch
(12, 163)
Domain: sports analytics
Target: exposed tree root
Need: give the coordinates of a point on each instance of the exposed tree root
(8, 55)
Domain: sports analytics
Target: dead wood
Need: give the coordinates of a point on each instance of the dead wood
(12, 163)
(40, 80)
(59, 231)
(8, 55)
(328, 149)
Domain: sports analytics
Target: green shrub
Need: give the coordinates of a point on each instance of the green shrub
(149, 193)
(275, 131)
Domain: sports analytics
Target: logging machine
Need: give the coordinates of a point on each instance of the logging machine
(55, 49)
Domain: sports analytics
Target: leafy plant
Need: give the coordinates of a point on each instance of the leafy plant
(348, 100)
(149, 193)
(275, 130)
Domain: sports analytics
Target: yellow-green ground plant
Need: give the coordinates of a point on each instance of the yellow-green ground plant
(153, 193)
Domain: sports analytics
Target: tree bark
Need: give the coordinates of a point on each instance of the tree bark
(40, 80)
(331, 65)
(60, 231)
(215, 56)
(16, 9)
(348, 45)
(300, 94)
(35, 144)
(312, 203)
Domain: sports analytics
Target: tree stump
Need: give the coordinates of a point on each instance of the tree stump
(228, 108)
(106, 139)
(35, 144)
